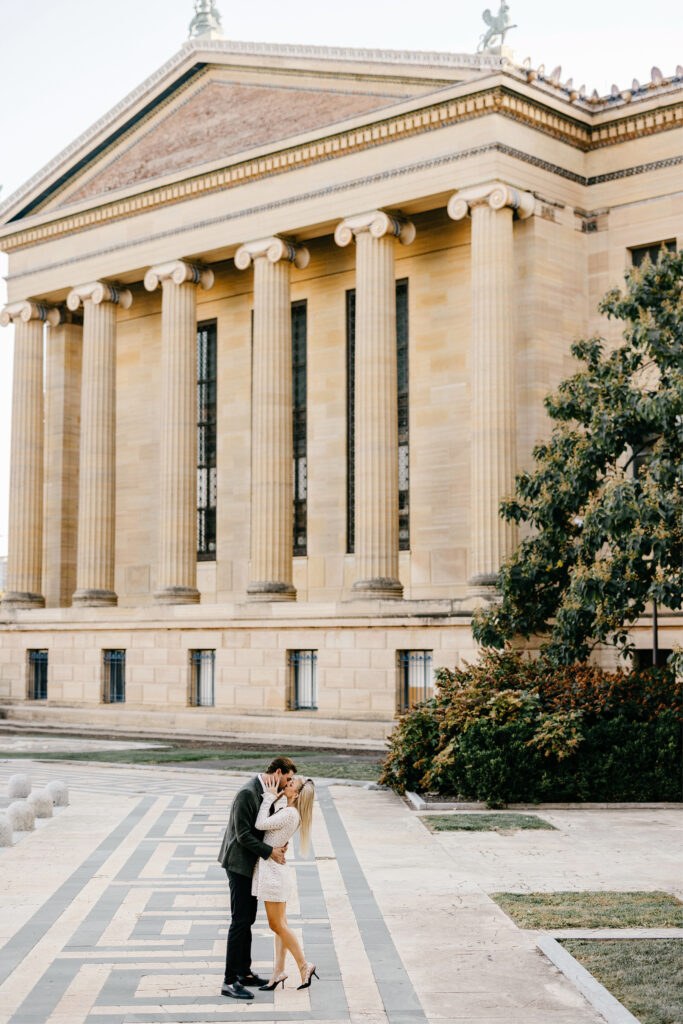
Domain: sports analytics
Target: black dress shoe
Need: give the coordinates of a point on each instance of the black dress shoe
(235, 990)
(252, 979)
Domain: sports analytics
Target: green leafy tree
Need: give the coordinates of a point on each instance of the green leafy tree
(606, 523)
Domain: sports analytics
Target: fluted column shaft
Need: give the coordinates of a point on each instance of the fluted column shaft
(25, 552)
(494, 437)
(376, 402)
(177, 552)
(272, 491)
(97, 463)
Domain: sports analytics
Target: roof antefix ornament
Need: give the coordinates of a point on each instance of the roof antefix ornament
(207, 20)
(499, 25)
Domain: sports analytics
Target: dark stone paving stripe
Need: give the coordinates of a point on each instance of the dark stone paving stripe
(401, 1003)
(20, 945)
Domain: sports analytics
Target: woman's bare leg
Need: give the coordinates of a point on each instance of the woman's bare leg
(277, 921)
(279, 959)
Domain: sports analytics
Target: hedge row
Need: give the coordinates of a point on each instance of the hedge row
(511, 730)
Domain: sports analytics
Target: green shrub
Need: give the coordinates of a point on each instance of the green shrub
(511, 729)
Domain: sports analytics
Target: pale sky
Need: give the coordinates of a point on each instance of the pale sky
(65, 63)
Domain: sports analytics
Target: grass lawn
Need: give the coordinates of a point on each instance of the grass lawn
(462, 822)
(643, 974)
(592, 909)
(314, 763)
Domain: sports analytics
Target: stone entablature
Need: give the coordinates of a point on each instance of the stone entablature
(505, 96)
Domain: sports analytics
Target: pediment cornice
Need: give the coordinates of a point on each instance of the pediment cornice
(501, 92)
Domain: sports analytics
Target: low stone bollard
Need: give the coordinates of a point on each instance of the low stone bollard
(41, 802)
(18, 787)
(21, 817)
(6, 836)
(59, 793)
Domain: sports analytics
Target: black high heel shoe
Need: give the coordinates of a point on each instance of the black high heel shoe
(310, 974)
(274, 984)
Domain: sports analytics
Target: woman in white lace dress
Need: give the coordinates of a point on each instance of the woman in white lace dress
(272, 882)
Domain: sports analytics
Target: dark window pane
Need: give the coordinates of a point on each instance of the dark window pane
(303, 684)
(403, 437)
(416, 679)
(350, 419)
(299, 423)
(202, 684)
(37, 675)
(114, 677)
(206, 442)
(653, 252)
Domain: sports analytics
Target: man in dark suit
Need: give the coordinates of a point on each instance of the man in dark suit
(241, 847)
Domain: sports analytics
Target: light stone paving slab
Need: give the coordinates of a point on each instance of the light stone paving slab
(590, 849)
(128, 909)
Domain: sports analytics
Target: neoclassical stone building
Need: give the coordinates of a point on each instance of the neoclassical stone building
(284, 319)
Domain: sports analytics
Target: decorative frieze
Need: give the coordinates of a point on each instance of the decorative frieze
(502, 99)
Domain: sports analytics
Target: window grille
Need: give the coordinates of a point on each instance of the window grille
(303, 685)
(403, 417)
(350, 420)
(638, 253)
(37, 661)
(206, 442)
(299, 341)
(114, 677)
(203, 674)
(403, 439)
(416, 678)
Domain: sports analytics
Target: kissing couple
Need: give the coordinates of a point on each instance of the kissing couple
(264, 816)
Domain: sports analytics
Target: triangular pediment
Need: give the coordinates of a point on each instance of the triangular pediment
(215, 100)
(217, 120)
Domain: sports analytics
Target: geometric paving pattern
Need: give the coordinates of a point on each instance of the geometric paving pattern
(152, 946)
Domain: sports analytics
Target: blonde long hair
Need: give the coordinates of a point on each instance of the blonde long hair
(304, 806)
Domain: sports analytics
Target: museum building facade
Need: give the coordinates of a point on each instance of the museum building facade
(284, 321)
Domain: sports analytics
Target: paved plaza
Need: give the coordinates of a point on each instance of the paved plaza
(115, 911)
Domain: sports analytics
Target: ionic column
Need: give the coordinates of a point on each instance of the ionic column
(177, 553)
(376, 401)
(97, 463)
(492, 208)
(24, 562)
(272, 492)
(63, 352)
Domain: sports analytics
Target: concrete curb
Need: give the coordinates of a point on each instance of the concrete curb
(420, 803)
(596, 994)
(612, 933)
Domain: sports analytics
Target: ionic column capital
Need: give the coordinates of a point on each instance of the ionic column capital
(496, 195)
(274, 249)
(25, 312)
(179, 272)
(378, 223)
(98, 292)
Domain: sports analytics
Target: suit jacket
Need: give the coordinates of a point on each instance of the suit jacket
(243, 844)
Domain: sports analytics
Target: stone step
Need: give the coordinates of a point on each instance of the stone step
(198, 726)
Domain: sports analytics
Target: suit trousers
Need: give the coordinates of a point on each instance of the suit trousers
(243, 908)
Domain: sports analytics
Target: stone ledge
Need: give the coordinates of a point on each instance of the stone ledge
(589, 987)
(142, 723)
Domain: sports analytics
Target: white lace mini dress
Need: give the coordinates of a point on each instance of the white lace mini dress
(273, 881)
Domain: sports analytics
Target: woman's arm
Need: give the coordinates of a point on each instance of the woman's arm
(265, 821)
